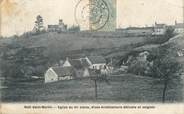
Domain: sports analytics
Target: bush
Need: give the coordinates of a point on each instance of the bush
(139, 67)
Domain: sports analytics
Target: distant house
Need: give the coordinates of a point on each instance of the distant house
(179, 27)
(61, 27)
(159, 29)
(96, 62)
(54, 74)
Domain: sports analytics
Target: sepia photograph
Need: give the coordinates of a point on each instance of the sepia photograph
(92, 51)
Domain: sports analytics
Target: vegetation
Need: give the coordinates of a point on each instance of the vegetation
(74, 29)
(169, 33)
(160, 64)
(165, 66)
(39, 28)
(139, 67)
(22, 63)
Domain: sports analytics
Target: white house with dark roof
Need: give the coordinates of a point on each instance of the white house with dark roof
(96, 62)
(54, 74)
(159, 29)
(77, 68)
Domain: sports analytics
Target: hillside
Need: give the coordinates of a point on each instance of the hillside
(78, 41)
(178, 41)
(59, 46)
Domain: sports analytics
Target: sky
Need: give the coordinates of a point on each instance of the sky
(18, 16)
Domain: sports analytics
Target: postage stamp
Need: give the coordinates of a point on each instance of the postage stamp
(97, 15)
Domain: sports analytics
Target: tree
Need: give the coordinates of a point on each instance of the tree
(138, 67)
(39, 24)
(169, 33)
(165, 66)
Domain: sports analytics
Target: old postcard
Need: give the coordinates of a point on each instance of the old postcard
(91, 56)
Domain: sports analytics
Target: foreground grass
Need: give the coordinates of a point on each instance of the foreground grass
(124, 88)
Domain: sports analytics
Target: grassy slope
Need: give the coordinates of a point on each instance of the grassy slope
(60, 46)
(126, 88)
(68, 41)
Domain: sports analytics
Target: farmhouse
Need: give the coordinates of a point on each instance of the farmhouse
(54, 74)
(80, 66)
(159, 29)
(96, 62)
(77, 68)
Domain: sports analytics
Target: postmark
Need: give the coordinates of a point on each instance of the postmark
(92, 14)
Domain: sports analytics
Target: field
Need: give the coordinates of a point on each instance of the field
(123, 88)
(68, 42)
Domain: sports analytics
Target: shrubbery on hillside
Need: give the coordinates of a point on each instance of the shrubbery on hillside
(22, 63)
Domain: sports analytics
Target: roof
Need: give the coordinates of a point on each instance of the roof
(76, 63)
(84, 63)
(63, 71)
(97, 59)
